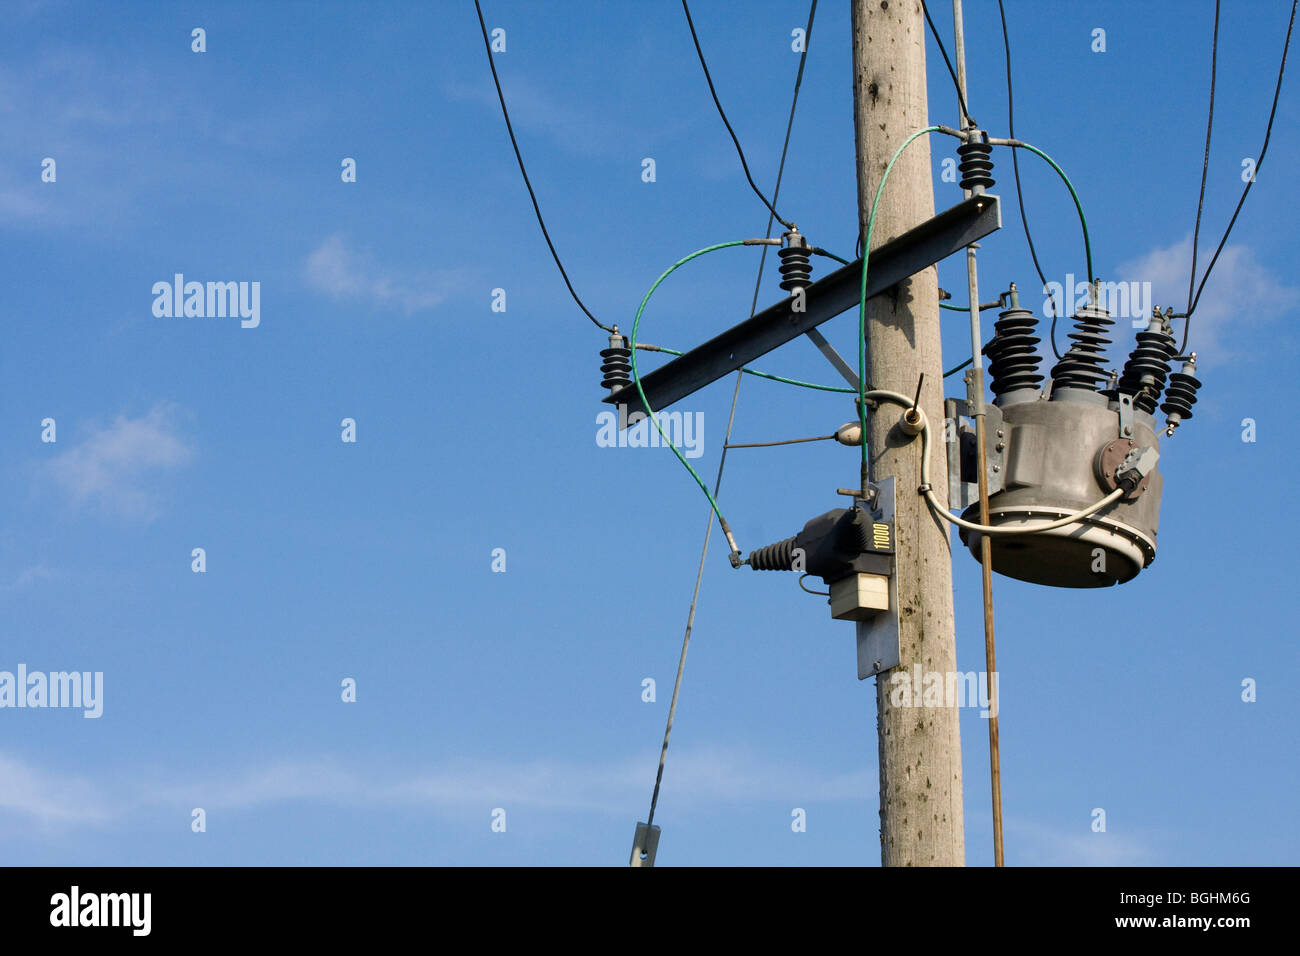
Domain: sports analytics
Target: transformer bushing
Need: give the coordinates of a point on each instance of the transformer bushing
(1051, 457)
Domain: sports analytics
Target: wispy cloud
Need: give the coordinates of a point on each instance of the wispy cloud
(700, 779)
(109, 121)
(1240, 291)
(117, 467)
(338, 271)
(536, 113)
(30, 575)
(1041, 845)
(47, 799)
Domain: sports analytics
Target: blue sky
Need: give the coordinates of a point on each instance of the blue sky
(476, 430)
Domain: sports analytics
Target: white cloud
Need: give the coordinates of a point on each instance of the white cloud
(1240, 293)
(47, 799)
(18, 204)
(1040, 845)
(116, 467)
(37, 572)
(337, 271)
(699, 778)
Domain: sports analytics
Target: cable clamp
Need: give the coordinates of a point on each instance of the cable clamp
(925, 488)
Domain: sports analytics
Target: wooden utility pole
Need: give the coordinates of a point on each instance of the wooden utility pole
(920, 747)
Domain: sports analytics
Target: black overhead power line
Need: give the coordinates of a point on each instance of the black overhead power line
(961, 100)
(1268, 131)
(716, 102)
(1015, 167)
(487, 45)
(1205, 164)
(735, 395)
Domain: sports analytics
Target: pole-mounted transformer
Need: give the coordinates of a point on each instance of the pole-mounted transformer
(1058, 446)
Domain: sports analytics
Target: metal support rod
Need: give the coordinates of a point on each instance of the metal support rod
(834, 357)
(981, 443)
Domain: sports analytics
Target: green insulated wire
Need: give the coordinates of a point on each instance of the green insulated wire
(866, 252)
(829, 255)
(1087, 243)
(795, 381)
(862, 294)
(778, 378)
(636, 377)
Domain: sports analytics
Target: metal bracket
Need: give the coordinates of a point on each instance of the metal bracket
(1125, 415)
(878, 637)
(959, 440)
(974, 392)
(892, 262)
(834, 358)
(644, 845)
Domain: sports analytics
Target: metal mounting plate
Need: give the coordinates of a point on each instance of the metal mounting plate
(919, 248)
(645, 842)
(959, 440)
(878, 641)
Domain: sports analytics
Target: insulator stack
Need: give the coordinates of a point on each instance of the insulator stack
(975, 166)
(1148, 366)
(773, 557)
(1181, 395)
(796, 262)
(617, 364)
(1081, 366)
(1013, 356)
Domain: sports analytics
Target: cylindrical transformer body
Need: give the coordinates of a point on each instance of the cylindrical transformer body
(1052, 467)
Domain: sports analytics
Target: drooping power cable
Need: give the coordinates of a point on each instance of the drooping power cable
(716, 102)
(1205, 164)
(531, 195)
(1020, 198)
(1268, 131)
(961, 99)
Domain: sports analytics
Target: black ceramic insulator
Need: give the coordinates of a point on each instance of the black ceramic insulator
(617, 364)
(1147, 367)
(1080, 367)
(1180, 396)
(1013, 358)
(795, 268)
(975, 165)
